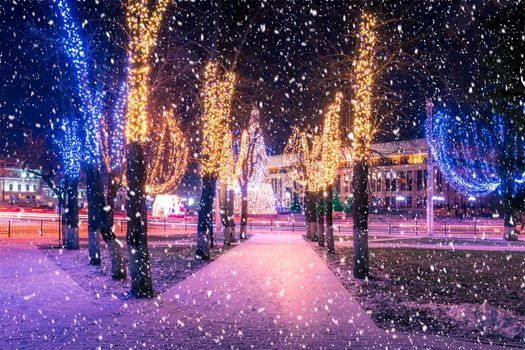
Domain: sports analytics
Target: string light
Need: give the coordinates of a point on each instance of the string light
(331, 142)
(91, 102)
(364, 82)
(117, 132)
(167, 156)
(466, 153)
(261, 198)
(143, 28)
(112, 133)
(70, 146)
(302, 157)
(216, 137)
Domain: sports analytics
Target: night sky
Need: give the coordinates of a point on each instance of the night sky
(294, 56)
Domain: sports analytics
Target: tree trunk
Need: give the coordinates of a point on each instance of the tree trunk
(244, 209)
(137, 215)
(313, 218)
(62, 199)
(329, 220)
(107, 216)
(509, 214)
(231, 218)
(320, 219)
(223, 207)
(310, 216)
(72, 241)
(360, 219)
(93, 210)
(205, 223)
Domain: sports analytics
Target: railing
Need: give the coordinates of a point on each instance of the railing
(159, 227)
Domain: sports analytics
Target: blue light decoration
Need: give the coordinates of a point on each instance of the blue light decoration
(91, 102)
(117, 132)
(69, 146)
(469, 152)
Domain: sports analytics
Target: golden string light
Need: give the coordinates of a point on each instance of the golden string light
(226, 172)
(167, 156)
(364, 82)
(105, 144)
(216, 137)
(302, 157)
(143, 28)
(331, 142)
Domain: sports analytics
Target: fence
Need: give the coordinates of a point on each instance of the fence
(442, 227)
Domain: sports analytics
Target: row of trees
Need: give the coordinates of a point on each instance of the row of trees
(312, 157)
(226, 157)
(115, 143)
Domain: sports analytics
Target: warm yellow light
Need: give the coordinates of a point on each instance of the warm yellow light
(364, 73)
(216, 137)
(143, 28)
(331, 143)
(302, 157)
(168, 154)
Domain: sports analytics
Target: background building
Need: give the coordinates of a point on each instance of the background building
(398, 183)
(22, 188)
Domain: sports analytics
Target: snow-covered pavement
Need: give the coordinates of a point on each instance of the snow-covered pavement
(271, 292)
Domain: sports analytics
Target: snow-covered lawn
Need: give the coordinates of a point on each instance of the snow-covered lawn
(468, 294)
(171, 262)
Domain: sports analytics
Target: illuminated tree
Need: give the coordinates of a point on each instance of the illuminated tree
(143, 27)
(479, 156)
(91, 103)
(302, 158)
(75, 49)
(112, 148)
(217, 96)
(227, 177)
(70, 147)
(256, 192)
(167, 155)
(362, 133)
(330, 156)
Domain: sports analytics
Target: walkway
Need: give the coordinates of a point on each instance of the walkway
(272, 292)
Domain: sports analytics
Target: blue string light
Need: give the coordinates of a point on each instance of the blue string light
(468, 152)
(91, 110)
(69, 146)
(117, 137)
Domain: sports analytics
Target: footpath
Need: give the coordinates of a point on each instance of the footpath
(271, 292)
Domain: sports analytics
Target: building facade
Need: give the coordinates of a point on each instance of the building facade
(398, 183)
(22, 188)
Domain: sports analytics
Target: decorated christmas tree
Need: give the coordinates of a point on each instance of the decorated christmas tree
(261, 199)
